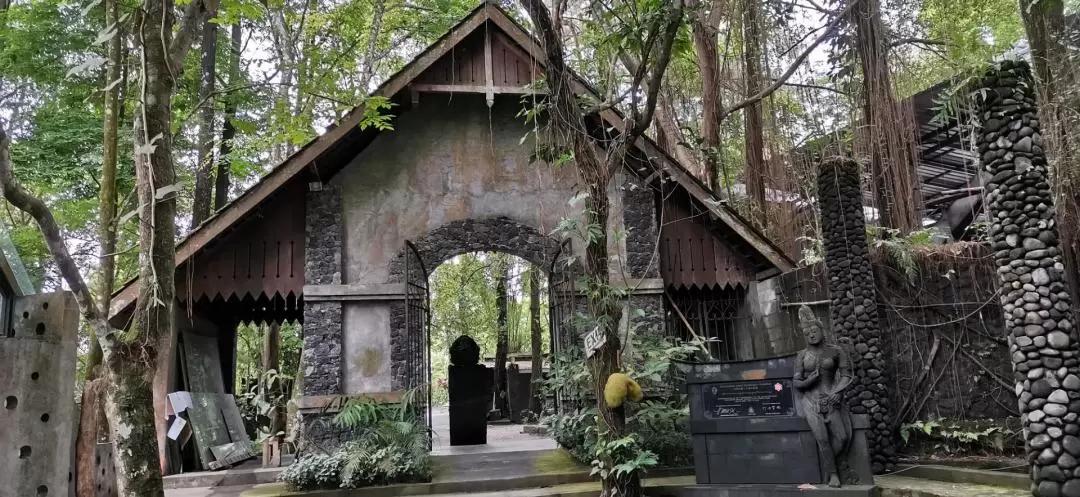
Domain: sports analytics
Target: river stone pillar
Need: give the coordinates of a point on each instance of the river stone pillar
(1034, 297)
(853, 306)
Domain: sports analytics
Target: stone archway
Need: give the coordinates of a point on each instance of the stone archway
(500, 234)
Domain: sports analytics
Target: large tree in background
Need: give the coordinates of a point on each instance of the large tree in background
(536, 341)
(204, 168)
(1058, 89)
(754, 122)
(501, 274)
(92, 414)
(888, 130)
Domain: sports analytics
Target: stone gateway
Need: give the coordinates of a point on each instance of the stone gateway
(321, 239)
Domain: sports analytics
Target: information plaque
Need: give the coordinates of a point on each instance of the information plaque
(748, 398)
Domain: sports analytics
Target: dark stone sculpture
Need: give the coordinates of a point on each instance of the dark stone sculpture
(1034, 297)
(853, 303)
(470, 393)
(822, 373)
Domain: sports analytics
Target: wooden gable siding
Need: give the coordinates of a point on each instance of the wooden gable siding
(692, 256)
(464, 64)
(264, 255)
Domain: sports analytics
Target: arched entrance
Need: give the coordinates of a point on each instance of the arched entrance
(410, 318)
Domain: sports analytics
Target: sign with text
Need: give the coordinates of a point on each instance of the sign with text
(593, 341)
(748, 398)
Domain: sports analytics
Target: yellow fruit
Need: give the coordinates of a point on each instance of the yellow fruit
(618, 388)
(633, 391)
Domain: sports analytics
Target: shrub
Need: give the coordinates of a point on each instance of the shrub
(314, 472)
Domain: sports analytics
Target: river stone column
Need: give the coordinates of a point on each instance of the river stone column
(854, 315)
(1034, 297)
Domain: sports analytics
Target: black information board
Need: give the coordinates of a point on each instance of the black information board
(748, 398)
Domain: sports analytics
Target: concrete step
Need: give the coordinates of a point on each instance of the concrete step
(952, 474)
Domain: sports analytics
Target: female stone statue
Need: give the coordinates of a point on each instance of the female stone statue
(822, 372)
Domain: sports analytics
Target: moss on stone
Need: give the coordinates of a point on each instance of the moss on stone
(556, 461)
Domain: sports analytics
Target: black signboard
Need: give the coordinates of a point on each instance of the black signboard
(748, 398)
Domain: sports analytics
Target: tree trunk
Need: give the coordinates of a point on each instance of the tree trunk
(890, 139)
(536, 404)
(287, 66)
(200, 209)
(228, 130)
(129, 405)
(502, 399)
(754, 129)
(91, 422)
(271, 353)
(91, 416)
(145, 360)
(708, 58)
(1056, 85)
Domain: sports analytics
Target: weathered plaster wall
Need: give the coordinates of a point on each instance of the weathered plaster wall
(37, 395)
(451, 159)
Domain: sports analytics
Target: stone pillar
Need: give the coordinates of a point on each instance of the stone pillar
(36, 392)
(642, 255)
(854, 315)
(642, 229)
(1034, 297)
(323, 333)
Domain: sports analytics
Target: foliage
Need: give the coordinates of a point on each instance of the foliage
(315, 471)
(988, 437)
(463, 303)
(658, 427)
(899, 248)
(389, 445)
(258, 403)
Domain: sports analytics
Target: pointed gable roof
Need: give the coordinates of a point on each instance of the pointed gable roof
(323, 155)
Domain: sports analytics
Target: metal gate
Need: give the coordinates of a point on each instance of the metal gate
(417, 333)
(563, 305)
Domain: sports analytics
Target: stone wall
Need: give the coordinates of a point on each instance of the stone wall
(853, 306)
(37, 391)
(1034, 298)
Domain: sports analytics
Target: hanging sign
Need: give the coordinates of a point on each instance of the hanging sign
(593, 341)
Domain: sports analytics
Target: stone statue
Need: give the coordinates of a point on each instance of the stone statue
(822, 372)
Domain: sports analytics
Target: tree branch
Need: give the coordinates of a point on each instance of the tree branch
(195, 14)
(917, 41)
(830, 30)
(642, 120)
(54, 240)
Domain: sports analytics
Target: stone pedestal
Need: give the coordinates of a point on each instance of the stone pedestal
(470, 400)
(748, 431)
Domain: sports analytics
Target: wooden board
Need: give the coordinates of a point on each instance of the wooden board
(216, 421)
(202, 364)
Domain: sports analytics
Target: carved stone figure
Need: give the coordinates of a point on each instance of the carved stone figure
(822, 372)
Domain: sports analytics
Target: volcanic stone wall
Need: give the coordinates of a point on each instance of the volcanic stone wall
(1034, 298)
(853, 314)
(323, 320)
